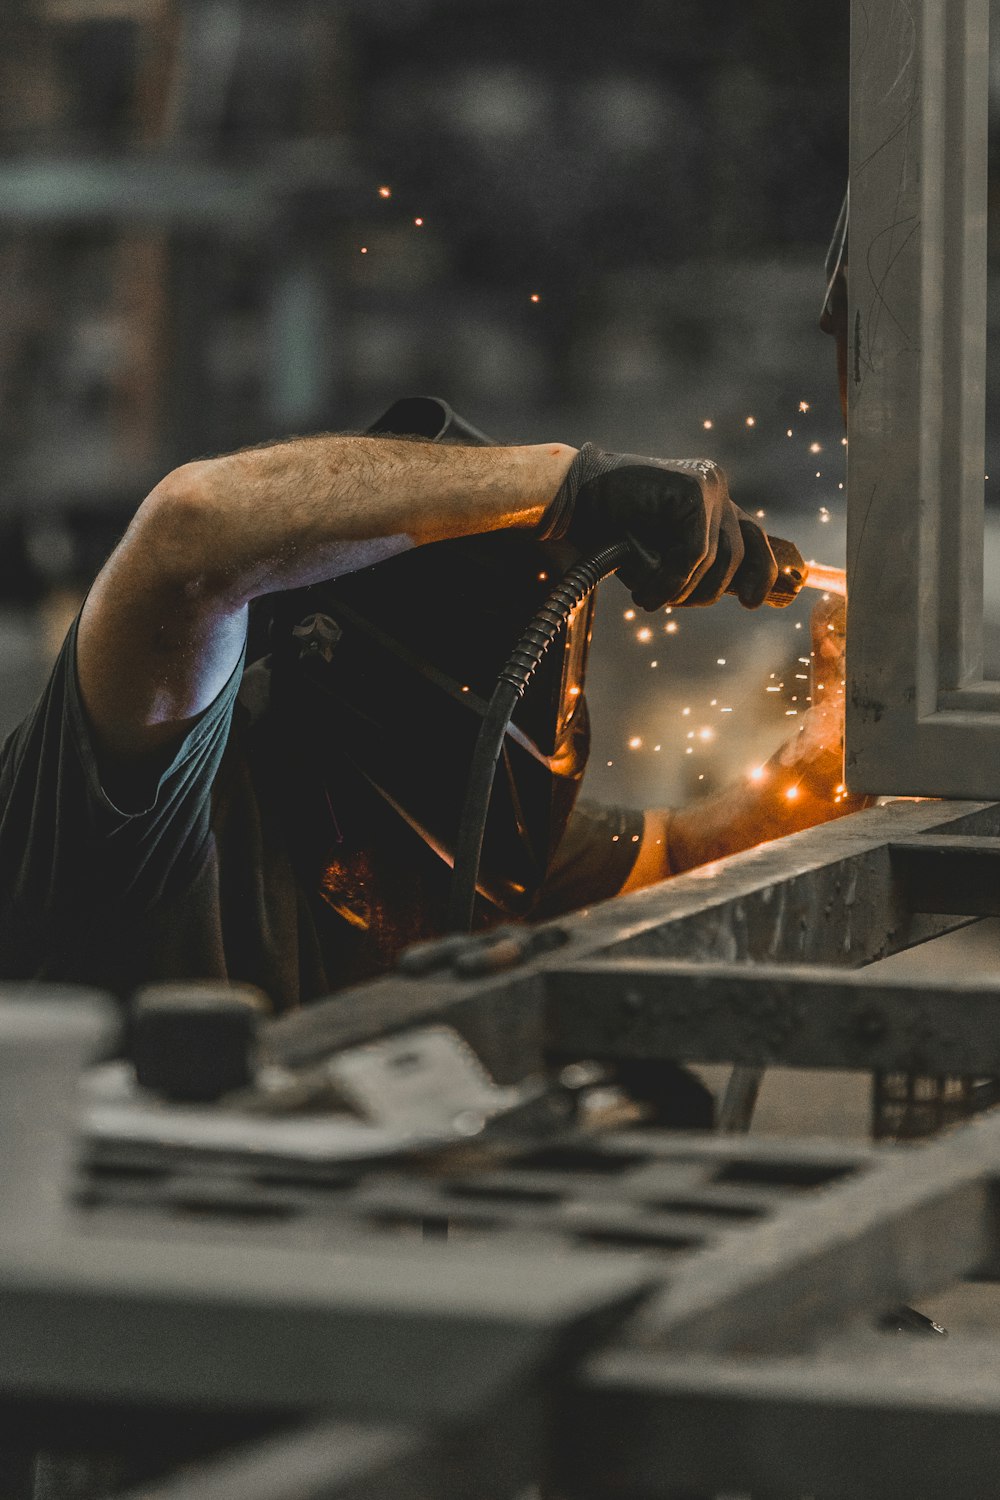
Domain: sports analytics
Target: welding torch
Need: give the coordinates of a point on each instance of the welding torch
(795, 574)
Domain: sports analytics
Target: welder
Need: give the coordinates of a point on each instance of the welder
(169, 811)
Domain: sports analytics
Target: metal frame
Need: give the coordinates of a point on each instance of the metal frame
(670, 1293)
(841, 896)
(920, 718)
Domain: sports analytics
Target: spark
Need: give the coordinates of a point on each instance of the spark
(708, 424)
(419, 223)
(635, 743)
(789, 433)
(790, 713)
(654, 664)
(725, 710)
(702, 776)
(669, 609)
(629, 614)
(824, 514)
(840, 486)
(841, 788)
(819, 473)
(364, 249)
(798, 625)
(610, 762)
(720, 661)
(385, 192)
(465, 689)
(542, 577)
(706, 734)
(671, 627)
(690, 734)
(791, 793)
(815, 447)
(751, 421)
(535, 297)
(772, 690)
(614, 836)
(843, 442)
(689, 750)
(656, 747)
(685, 711)
(803, 406)
(757, 774)
(761, 514)
(645, 634)
(574, 692)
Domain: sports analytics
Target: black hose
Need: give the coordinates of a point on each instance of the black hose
(580, 581)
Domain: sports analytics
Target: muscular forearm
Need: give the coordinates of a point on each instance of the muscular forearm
(283, 516)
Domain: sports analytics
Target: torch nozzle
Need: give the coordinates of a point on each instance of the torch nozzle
(828, 580)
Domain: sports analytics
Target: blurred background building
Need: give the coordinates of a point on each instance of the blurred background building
(223, 221)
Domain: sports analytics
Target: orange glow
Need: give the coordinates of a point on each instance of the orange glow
(708, 423)
(385, 192)
(419, 223)
(803, 406)
(535, 297)
(751, 421)
(635, 743)
(791, 793)
(757, 774)
(645, 634)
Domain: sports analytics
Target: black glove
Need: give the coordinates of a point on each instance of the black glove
(691, 544)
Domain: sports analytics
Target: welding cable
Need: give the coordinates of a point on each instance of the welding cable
(521, 665)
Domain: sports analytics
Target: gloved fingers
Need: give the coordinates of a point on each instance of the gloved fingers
(718, 576)
(640, 566)
(756, 575)
(671, 582)
(670, 555)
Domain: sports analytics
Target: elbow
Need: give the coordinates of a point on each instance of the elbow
(175, 522)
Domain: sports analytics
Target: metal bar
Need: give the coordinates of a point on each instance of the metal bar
(917, 323)
(374, 1331)
(826, 894)
(856, 1248)
(331, 1460)
(775, 1014)
(914, 1422)
(939, 873)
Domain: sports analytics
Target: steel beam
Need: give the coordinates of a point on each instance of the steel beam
(942, 873)
(765, 1015)
(923, 1220)
(908, 1422)
(828, 895)
(920, 719)
(378, 1330)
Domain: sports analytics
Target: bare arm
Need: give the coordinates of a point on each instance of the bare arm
(164, 624)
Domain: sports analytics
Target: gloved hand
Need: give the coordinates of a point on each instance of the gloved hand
(691, 543)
